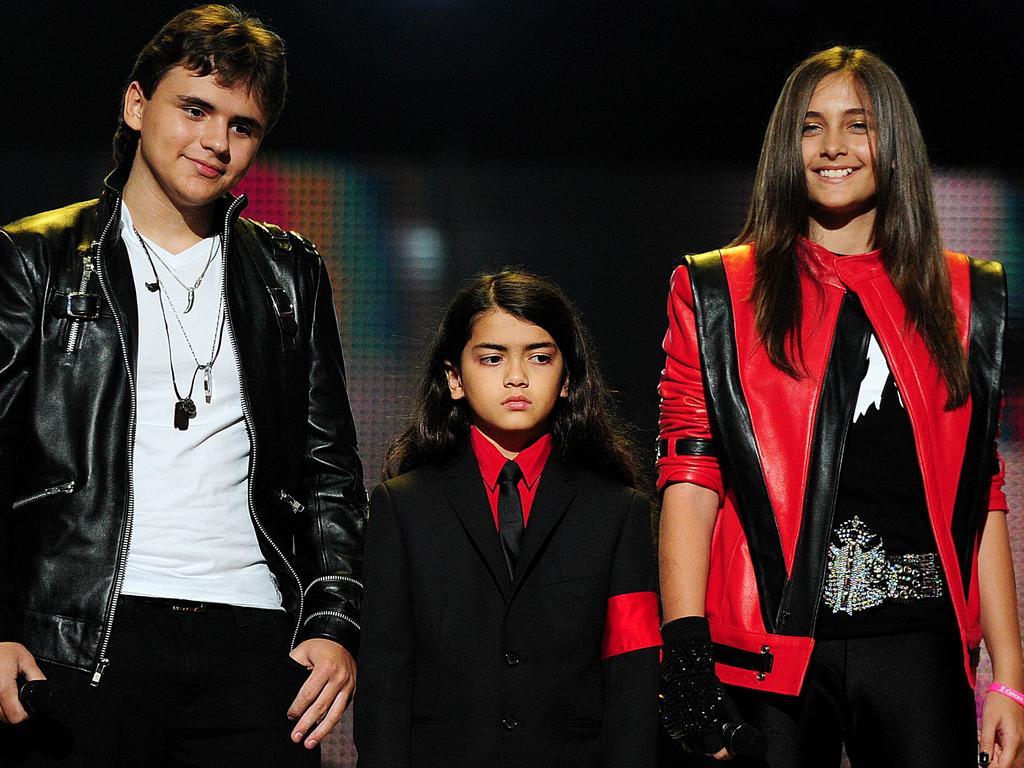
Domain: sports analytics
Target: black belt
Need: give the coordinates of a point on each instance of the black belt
(179, 605)
(685, 446)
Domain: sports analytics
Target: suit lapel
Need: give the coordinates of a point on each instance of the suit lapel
(465, 491)
(556, 491)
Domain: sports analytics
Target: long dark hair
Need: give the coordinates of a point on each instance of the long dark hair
(906, 226)
(221, 40)
(586, 433)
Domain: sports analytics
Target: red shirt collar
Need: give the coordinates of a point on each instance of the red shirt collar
(531, 460)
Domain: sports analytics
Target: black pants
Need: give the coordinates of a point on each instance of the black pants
(898, 700)
(182, 689)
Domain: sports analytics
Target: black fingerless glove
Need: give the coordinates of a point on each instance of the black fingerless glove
(694, 705)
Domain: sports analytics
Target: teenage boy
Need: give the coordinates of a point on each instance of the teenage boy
(181, 501)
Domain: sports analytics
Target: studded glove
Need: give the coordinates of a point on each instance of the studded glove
(694, 705)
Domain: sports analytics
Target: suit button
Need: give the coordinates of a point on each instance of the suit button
(511, 658)
(510, 723)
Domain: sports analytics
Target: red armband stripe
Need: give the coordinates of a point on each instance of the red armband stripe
(630, 624)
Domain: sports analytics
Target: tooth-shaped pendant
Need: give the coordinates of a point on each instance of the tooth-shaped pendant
(190, 302)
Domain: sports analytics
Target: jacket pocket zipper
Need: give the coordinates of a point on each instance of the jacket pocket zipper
(53, 490)
(75, 330)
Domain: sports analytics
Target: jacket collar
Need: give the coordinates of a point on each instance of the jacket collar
(227, 208)
(841, 271)
(555, 493)
(465, 491)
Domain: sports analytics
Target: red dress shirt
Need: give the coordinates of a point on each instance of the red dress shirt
(531, 462)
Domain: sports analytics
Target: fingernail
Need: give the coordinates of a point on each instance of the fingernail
(310, 743)
(983, 759)
(297, 736)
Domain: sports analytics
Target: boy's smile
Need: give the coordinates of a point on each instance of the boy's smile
(197, 138)
(511, 374)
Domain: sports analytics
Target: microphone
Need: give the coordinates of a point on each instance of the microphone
(153, 287)
(744, 740)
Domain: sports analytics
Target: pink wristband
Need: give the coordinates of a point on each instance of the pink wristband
(1006, 690)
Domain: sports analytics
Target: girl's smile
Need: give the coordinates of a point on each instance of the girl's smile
(838, 146)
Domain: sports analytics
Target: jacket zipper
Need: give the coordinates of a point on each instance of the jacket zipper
(246, 414)
(87, 269)
(122, 553)
(53, 490)
(335, 614)
(332, 577)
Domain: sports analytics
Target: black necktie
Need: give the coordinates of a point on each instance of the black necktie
(510, 513)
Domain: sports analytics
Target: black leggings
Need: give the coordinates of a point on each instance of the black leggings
(898, 700)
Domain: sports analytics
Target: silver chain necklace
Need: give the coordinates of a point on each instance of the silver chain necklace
(199, 280)
(185, 407)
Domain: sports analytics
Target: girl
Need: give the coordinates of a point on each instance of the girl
(833, 530)
(510, 617)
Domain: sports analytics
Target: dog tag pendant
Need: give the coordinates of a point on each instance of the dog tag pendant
(184, 410)
(208, 382)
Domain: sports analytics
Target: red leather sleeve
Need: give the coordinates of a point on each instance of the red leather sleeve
(683, 412)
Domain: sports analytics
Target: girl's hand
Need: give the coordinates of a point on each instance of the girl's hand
(1002, 731)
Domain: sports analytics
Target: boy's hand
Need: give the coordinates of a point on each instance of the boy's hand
(321, 701)
(15, 661)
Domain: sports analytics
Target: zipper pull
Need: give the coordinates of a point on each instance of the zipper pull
(65, 488)
(100, 669)
(292, 502)
(87, 270)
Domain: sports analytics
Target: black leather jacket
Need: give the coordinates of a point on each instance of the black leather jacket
(68, 352)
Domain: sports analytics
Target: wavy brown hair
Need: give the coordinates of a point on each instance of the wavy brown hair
(586, 433)
(221, 40)
(906, 226)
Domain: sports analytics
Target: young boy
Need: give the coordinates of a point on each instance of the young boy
(510, 617)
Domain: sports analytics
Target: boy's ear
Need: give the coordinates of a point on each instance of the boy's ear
(454, 381)
(134, 103)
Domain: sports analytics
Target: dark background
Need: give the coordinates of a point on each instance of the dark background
(670, 82)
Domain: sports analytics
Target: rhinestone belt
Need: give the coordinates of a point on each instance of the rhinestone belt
(859, 575)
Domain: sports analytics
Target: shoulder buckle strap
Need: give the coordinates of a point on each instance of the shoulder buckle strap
(280, 299)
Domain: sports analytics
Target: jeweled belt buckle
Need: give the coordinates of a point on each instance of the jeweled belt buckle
(912, 577)
(860, 575)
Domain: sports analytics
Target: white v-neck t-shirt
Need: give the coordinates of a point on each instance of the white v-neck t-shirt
(192, 537)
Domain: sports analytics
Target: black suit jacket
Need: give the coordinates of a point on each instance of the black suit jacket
(460, 667)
